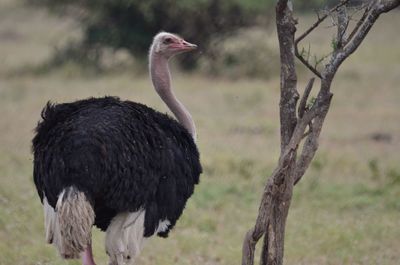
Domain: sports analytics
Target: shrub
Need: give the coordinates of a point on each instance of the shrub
(131, 24)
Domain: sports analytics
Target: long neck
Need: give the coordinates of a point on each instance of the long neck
(161, 78)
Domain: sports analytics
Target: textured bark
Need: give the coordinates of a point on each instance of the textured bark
(293, 164)
(286, 28)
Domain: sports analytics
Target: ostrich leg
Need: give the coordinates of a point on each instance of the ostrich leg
(87, 256)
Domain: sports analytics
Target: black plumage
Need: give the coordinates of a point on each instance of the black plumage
(123, 155)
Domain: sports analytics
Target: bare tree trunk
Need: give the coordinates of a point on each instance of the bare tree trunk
(306, 124)
(273, 246)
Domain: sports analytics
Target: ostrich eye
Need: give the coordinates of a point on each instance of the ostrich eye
(167, 40)
(128, 257)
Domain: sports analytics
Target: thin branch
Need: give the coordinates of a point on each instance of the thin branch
(320, 20)
(311, 144)
(308, 31)
(317, 13)
(377, 9)
(320, 60)
(304, 98)
(358, 25)
(367, 23)
(306, 63)
(342, 25)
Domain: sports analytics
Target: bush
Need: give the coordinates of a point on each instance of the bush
(131, 24)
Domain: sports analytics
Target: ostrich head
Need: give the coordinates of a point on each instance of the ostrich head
(168, 44)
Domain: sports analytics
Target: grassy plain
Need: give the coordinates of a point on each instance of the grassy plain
(346, 210)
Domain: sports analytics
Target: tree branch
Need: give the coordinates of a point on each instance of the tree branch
(306, 63)
(379, 7)
(304, 98)
(342, 24)
(320, 20)
(311, 144)
(369, 20)
(308, 31)
(359, 23)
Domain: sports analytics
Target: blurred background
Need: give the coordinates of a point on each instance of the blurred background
(346, 210)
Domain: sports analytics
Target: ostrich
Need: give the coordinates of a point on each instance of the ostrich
(118, 165)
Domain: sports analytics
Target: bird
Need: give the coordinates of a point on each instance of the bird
(118, 165)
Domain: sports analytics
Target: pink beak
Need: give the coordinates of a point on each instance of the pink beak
(185, 46)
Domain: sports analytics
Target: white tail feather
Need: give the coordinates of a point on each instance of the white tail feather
(124, 238)
(68, 227)
(49, 219)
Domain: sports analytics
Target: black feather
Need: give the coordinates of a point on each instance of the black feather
(123, 155)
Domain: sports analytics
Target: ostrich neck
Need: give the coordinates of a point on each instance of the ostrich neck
(161, 78)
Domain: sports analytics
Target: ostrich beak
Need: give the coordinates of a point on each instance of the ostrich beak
(189, 45)
(185, 46)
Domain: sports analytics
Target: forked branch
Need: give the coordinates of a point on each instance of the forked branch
(375, 9)
(320, 20)
(306, 62)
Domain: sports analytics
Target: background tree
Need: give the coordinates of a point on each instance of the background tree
(130, 24)
(301, 123)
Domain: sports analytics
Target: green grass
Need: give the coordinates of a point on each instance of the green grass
(346, 210)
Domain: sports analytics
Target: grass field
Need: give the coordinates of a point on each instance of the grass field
(346, 210)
